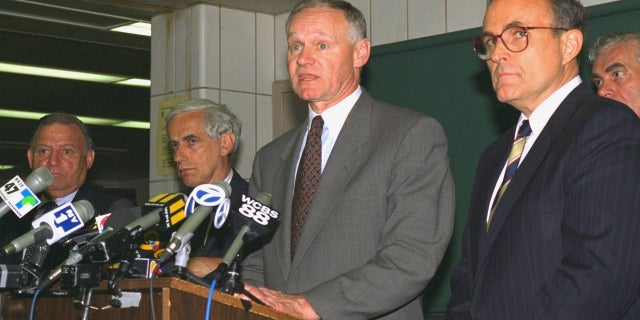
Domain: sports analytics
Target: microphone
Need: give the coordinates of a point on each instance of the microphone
(53, 226)
(20, 196)
(117, 243)
(172, 205)
(120, 217)
(208, 196)
(258, 220)
(75, 256)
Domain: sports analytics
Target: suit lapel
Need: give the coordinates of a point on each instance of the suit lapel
(527, 169)
(285, 182)
(342, 163)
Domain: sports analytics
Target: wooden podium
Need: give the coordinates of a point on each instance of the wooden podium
(173, 299)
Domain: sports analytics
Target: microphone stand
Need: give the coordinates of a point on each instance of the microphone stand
(233, 275)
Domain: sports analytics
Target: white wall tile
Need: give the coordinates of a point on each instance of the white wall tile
(388, 21)
(205, 93)
(181, 27)
(264, 124)
(238, 50)
(281, 47)
(464, 14)
(243, 105)
(426, 18)
(265, 53)
(204, 46)
(161, 42)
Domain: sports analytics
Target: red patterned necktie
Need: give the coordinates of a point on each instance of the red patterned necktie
(512, 164)
(307, 179)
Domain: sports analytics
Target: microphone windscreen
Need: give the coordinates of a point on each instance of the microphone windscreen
(121, 217)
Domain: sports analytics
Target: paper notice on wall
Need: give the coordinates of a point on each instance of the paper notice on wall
(164, 159)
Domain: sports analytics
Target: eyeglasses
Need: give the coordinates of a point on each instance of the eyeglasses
(514, 38)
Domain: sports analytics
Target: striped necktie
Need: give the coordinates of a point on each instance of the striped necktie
(512, 164)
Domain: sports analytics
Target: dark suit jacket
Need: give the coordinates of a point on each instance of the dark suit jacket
(219, 240)
(379, 223)
(563, 240)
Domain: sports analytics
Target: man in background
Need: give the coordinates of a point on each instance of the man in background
(616, 68)
(363, 187)
(202, 136)
(553, 221)
(62, 144)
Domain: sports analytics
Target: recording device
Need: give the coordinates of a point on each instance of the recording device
(75, 256)
(119, 214)
(52, 226)
(12, 276)
(118, 242)
(115, 240)
(81, 275)
(208, 196)
(257, 220)
(19, 196)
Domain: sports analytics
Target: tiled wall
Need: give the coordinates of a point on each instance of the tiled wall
(252, 47)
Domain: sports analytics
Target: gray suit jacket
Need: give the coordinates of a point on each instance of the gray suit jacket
(379, 223)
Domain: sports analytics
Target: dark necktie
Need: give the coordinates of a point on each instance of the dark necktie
(307, 179)
(512, 164)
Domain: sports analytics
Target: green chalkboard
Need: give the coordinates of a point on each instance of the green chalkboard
(440, 76)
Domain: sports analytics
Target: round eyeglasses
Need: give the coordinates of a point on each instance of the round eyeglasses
(514, 38)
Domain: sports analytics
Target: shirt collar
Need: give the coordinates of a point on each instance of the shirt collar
(68, 198)
(541, 115)
(229, 177)
(335, 116)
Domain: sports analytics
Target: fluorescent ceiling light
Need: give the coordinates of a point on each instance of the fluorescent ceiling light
(6, 166)
(135, 82)
(7, 113)
(139, 28)
(69, 74)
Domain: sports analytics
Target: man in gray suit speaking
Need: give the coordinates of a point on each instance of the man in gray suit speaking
(364, 188)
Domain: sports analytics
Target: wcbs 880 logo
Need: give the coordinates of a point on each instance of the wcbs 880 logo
(257, 211)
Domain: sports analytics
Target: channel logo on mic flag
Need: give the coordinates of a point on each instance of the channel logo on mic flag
(17, 195)
(173, 208)
(64, 218)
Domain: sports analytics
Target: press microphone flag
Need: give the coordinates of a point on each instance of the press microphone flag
(53, 226)
(117, 241)
(172, 205)
(257, 219)
(257, 214)
(20, 196)
(207, 196)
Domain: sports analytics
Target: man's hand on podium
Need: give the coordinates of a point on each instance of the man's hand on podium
(202, 266)
(295, 305)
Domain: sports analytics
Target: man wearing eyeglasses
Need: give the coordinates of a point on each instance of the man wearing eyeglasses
(554, 219)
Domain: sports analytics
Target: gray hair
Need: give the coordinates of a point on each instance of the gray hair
(66, 119)
(218, 118)
(355, 18)
(612, 39)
